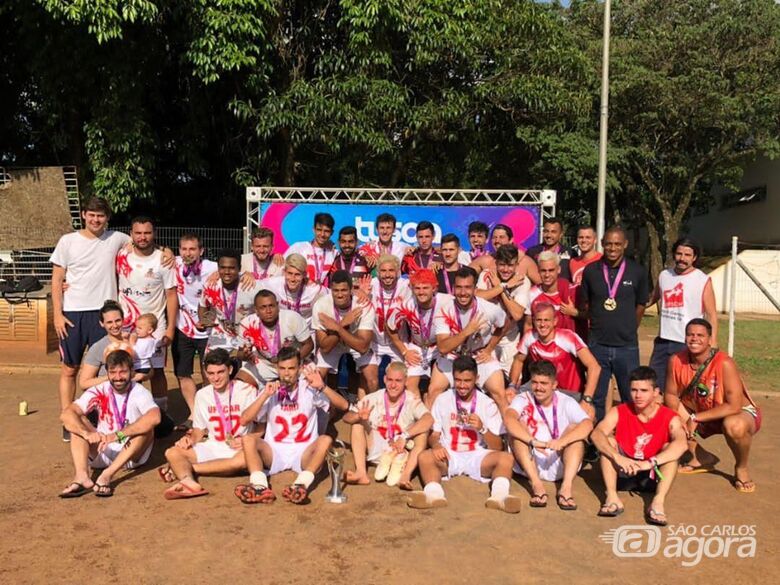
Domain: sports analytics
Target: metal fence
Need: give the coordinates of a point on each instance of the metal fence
(35, 262)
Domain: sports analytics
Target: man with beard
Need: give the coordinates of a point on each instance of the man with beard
(349, 258)
(319, 252)
(683, 293)
(261, 262)
(552, 236)
(294, 291)
(450, 256)
(124, 436)
(289, 407)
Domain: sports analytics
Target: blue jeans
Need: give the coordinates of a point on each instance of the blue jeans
(663, 350)
(617, 361)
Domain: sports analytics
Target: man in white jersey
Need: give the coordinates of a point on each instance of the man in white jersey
(342, 325)
(86, 257)
(126, 415)
(505, 288)
(387, 291)
(683, 293)
(320, 252)
(386, 242)
(214, 445)
(264, 334)
(470, 326)
(224, 303)
(294, 291)
(261, 262)
(466, 440)
(192, 270)
(547, 431)
(410, 328)
(146, 286)
(389, 428)
(289, 407)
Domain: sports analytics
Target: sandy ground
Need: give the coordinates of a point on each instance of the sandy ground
(139, 537)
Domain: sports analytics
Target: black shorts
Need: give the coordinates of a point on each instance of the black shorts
(85, 332)
(183, 350)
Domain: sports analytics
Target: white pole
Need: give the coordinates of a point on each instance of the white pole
(604, 118)
(732, 294)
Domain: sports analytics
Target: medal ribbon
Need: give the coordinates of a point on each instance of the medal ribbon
(390, 422)
(612, 288)
(472, 408)
(285, 396)
(297, 298)
(383, 316)
(192, 269)
(425, 330)
(447, 283)
(457, 313)
(257, 266)
(318, 268)
(272, 349)
(419, 258)
(225, 420)
(230, 306)
(554, 432)
(121, 415)
(351, 264)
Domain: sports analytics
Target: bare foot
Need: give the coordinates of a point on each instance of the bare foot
(405, 485)
(353, 478)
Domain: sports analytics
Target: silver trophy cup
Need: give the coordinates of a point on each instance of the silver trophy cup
(335, 458)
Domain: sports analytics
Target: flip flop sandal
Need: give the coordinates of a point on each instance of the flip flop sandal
(510, 504)
(295, 493)
(693, 469)
(656, 518)
(77, 493)
(744, 487)
(610, 510)
(250, 494)
(405, 486)
(564, 503)
(166, 474)
(535, 501)
(182, 491)
(420, 501)
(103, 491)
(396, 469)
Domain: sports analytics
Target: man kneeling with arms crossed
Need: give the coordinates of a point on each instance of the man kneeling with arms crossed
(642, 440)
(289, 408)
(465, 441)
(548, 429)
(124, 434)
(385, 422)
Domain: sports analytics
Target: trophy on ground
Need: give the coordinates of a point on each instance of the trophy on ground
(335, 458)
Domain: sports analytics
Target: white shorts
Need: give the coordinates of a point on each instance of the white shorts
(506, 352)
(429, 355)
(261, 372)
(484, 370)
(287, 456)
(468, 463)
(548, 463)
(211, 450)
(379, 351)
(377, 446)
(107, 456)
(331, 359)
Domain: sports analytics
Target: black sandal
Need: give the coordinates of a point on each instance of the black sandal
(77, 493)
(103, 491)
(541, 501)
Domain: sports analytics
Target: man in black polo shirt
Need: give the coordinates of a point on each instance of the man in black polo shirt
(614, 291)
(552, 234)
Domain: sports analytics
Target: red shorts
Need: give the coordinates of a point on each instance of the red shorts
(707, 429)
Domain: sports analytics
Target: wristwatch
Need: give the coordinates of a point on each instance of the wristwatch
(587, 399)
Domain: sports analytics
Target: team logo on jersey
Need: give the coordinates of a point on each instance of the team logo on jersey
(673, 298)
(641, 442)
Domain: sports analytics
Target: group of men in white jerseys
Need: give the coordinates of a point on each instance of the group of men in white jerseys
(439, 339)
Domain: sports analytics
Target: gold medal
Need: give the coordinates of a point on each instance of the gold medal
(610, 304)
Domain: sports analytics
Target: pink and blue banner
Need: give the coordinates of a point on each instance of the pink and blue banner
(293, 222)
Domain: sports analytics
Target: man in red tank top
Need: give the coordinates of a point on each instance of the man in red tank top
(704, 386)
(643, 440)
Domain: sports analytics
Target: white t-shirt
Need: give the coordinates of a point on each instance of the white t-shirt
(397, 249)
(568, 412)
(295, 422)
(324, 304)
(205, 415)
(216, 298)
(409, 321)
(519, 294)
(189, 289)
(319, 259)
(143, 281)
(300, 302)
(412, 410)
(250, 264)
(446, 420)
(89, 265)
(144, 349)
(292, 331)
(445, 322)
(682, 299)
(139, 402)
(384, 310)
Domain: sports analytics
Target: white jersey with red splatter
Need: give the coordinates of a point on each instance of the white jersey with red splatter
(319, 259)
(260, 270)
(457, 436)
(408, 320)
(412, 410)
(567, 411)
(189, 289)
(376, 249)
(292, 301)
(205, 415)
(215, 297)
(293, 332)
(384, 307)
(561, 351)
(519, 294)
(293, 422)
(445, 322)
(98, 399)
(143, 281)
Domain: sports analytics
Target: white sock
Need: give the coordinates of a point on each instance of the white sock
(162, 402)
(500, 488)
(434, 491)
(305, 478)
(258, 479)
